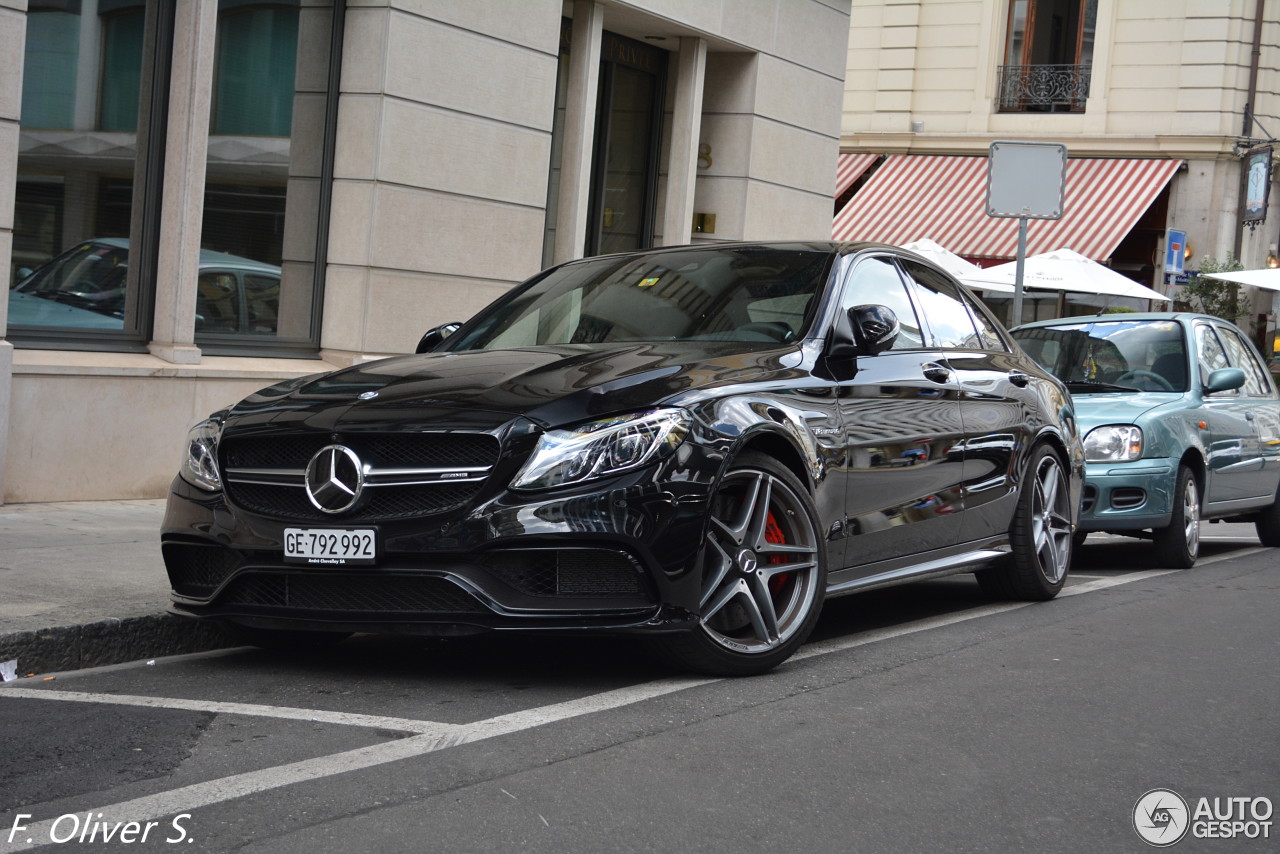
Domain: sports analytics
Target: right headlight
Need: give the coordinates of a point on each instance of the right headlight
(201, 464)
(1113, 443)
(602, 448)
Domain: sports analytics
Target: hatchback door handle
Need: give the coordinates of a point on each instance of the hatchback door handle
(936, 371)
(1019, 379)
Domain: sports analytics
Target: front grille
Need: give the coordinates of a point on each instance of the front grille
(584, 573)
(384, 502)
(346, 593)
(196, 571)
(251, 463)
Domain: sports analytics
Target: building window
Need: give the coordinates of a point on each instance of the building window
(87, 201)
(121, 70)
(78, 157)
(1048, 56)
(49, 72)
(257, 52)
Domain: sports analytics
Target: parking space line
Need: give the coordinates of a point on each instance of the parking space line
(434, 736)
(344, 718)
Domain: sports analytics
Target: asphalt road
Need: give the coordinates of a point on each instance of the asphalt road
(924, 718)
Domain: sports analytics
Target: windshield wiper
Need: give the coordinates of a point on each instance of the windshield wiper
(1094, 385)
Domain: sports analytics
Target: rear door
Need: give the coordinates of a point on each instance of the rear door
(993, 398)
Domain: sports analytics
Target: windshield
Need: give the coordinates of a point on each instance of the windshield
(759, 295)
(1111, 355)
(89, 276)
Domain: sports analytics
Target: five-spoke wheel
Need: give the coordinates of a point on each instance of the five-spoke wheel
(1178, 544)
(763, 573)
(1040, 537)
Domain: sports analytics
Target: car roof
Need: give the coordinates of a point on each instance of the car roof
(208, 257)
(1127, 316)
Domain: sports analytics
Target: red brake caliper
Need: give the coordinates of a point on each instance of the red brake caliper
(773, 534)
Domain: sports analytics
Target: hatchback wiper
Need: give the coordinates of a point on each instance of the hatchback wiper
(1094, 385)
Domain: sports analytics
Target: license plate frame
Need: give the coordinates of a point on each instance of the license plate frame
(330, 546)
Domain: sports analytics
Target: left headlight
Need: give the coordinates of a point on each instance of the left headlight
(1113, 443)
(602, 448)
(201, 464)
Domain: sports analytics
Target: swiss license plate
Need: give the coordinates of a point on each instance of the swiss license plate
(331, 546)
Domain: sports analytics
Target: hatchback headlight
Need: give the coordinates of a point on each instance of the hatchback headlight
(1113, 443)
(602, 448)
(201, 464)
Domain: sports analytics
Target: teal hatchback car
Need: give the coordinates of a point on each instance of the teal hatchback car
(1181, 423)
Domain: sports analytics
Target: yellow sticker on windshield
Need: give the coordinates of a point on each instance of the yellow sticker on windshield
(647, 283)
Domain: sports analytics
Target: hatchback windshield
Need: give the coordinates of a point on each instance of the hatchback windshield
(748, 295)
(90, 276)
(1111, 355)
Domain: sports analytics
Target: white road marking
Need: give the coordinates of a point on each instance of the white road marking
(433, 736)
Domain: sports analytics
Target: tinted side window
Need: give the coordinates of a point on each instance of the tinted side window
(1241, 355)
(875, 281)
(949, 321)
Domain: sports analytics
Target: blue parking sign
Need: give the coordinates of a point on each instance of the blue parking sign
(1175, 251)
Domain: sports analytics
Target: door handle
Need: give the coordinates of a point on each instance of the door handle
(1019, 379)
(936, 371)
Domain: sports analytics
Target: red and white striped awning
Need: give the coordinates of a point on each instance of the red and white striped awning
(849, 168)
(913, 197)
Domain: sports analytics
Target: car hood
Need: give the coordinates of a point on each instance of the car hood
(550, 386)
(31, 310)
(1094, 410)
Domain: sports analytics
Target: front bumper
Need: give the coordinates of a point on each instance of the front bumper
(619, 556)
(1128, 496)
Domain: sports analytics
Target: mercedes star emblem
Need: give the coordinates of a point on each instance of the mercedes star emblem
(335, 479)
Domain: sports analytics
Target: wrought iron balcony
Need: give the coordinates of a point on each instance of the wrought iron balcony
(1043, 88)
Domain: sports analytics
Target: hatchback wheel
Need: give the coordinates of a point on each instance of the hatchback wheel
(764, 574)
(1178, 544)
(1267, 524)
(1040, 535)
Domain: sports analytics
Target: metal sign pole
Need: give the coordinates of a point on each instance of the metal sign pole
(1016, 319)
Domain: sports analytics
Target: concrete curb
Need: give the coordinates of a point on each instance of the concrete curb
(114, 641)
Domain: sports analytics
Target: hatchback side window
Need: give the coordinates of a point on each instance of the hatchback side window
(1241, 355)
(875, 281)
(950, 323)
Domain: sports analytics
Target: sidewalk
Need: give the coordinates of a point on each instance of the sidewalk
(82, 584)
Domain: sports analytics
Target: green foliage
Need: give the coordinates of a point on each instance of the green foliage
(1214, 296)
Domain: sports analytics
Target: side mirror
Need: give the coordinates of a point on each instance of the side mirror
(435, 337)
(21, 273)
(1225, 379)
(875, 328)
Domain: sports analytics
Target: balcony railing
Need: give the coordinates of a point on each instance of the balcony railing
(1043, 88)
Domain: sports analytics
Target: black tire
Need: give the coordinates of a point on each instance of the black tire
(764, 574)
(1268, 524)
(1078, 538)
(1040, 535)
(1178, 543)
(288, 640)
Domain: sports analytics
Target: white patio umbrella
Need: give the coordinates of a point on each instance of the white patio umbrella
(963, 270)
(1066, 270)
(1268, 278)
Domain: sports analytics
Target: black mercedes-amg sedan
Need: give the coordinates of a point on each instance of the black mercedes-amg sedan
(699, 444)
